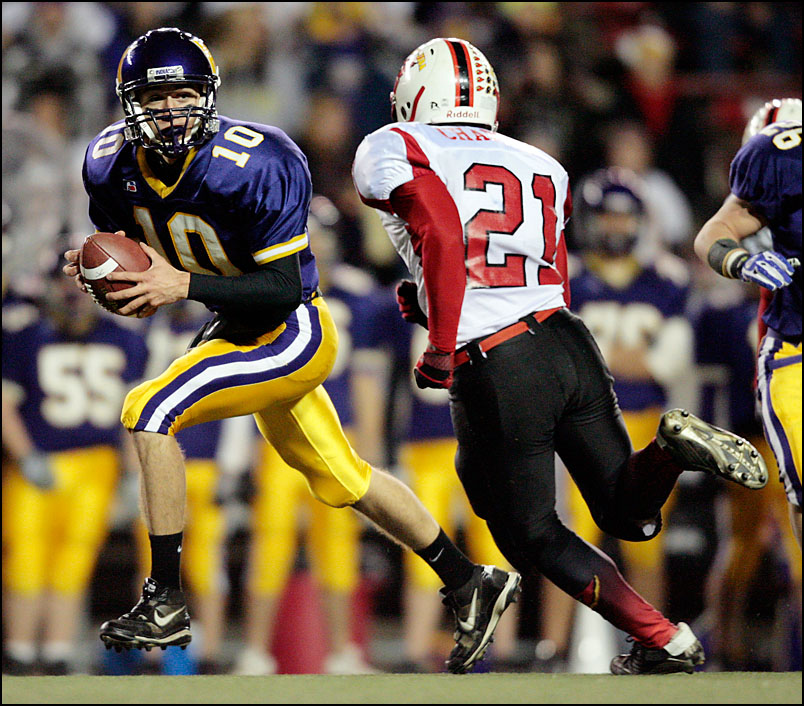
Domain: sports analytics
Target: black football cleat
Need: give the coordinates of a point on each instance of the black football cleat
(160, 619)
(477, 606)
(645, 660)
(696, 445)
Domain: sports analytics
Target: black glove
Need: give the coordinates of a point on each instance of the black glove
(434, 369)
(408, 301)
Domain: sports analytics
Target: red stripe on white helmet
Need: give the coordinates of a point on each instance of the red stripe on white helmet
(461, 87)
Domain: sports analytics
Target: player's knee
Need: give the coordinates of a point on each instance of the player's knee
(133, 406)
(532, 542)
(629, 529)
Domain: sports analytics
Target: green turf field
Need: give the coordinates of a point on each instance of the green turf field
(745, 687)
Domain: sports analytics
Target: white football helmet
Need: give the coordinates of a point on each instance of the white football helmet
(446, 80)
(773, 112)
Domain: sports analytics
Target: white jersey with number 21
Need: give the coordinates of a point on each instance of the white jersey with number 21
(513, 201)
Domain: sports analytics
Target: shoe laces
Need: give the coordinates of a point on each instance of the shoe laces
(639, 653)
(149, 592)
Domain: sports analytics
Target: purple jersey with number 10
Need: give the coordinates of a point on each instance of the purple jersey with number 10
(766, 172)
(240, 202)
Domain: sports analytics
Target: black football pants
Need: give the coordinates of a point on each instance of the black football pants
(542, 392)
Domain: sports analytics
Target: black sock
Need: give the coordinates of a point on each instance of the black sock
(450, 563)
(166, 559)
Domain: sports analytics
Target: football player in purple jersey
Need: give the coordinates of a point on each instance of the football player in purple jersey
(479, 220)
(222, 205)
(64, 378)
(726, 337)
(765, 181)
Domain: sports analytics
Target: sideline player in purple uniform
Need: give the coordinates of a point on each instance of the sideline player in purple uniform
(423, 427)
(64, 378)
(635, 310)
(765, 180)
(726, 347)
(331, 538)
(222, 206)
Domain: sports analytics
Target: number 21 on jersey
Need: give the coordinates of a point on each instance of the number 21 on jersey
(509, 220)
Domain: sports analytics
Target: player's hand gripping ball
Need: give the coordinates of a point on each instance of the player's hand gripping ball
(102, 253)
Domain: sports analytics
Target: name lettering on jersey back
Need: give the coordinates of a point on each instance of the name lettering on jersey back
(459, 133)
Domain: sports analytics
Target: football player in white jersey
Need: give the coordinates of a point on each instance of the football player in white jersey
(479, 220)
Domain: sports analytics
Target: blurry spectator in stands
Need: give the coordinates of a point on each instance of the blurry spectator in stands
(651, 95)
(42, 172)
(540, 92)
(262, 62)
(729, 37)
(342, 60)
(44, 37)
(628, 145)
(329, 141)
(64, 380)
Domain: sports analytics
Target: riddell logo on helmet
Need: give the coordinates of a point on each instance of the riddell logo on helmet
(462, 114)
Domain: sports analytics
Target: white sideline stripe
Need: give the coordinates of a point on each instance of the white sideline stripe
(246, 367)
(100, 271)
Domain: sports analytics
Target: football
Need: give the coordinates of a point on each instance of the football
(102, 253)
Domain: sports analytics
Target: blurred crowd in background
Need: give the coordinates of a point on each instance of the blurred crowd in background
(663, 89)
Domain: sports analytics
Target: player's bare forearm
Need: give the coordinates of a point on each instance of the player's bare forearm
(734, 220)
